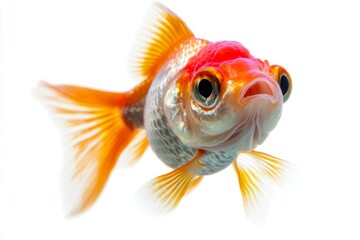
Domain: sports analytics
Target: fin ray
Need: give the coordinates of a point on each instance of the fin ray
(256, 174)
(135, 150)
(94, 135)
(161, 33)
(166, 191)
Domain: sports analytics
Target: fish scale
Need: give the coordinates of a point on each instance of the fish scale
(169, 148)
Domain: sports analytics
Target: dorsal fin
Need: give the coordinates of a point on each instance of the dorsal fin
(161, 33)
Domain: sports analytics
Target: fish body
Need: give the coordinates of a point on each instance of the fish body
(201, 105)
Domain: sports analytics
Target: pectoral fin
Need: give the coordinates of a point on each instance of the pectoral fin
(256, 173)
(166, 191)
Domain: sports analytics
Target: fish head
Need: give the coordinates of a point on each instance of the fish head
(226, 100)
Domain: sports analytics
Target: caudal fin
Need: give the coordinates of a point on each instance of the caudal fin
(94, 135)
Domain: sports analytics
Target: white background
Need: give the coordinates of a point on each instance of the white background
(87, 42)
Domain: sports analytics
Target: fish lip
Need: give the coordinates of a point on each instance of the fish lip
(267, 91)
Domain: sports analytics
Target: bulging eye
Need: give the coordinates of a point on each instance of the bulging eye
(284, 84)
(206, 87)
(284, 80)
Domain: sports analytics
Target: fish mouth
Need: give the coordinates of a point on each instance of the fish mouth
(258, 88)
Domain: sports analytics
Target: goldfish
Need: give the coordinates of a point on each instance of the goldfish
(200, 105)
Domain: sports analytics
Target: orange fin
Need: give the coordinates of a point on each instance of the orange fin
(165, 192)
(195, 184)
(94, 135)
(256, 173)
(161, 33)
(134, 150)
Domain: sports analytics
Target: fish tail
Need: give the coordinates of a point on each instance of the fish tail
(95, 134)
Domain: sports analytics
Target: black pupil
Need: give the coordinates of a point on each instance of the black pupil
(284, 84)
(205, 88)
